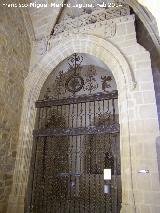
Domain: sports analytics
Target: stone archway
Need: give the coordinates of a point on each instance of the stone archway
(134, 122)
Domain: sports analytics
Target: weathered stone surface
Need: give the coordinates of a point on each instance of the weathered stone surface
(14, 64)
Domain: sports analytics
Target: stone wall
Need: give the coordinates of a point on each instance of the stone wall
(144, 39)
(14, 64)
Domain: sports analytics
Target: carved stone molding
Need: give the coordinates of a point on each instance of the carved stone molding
(105, 29)
(96, 16)
(101, 22)
(110, 30)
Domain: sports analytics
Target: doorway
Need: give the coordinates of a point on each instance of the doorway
(76, 154)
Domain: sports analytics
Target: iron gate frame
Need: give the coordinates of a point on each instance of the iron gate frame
(113, 129)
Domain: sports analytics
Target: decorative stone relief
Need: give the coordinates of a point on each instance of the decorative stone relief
(90, 84)
(110, 30)
(96, 16)
(101, 22)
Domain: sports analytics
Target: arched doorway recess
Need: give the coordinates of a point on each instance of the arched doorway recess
(75, 164)
(133, 126)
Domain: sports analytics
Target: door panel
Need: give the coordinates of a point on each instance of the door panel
(70, 155)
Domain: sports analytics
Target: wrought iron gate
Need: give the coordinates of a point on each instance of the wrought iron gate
(75, 140)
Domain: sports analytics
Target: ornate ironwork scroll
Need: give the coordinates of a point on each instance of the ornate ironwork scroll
(106, 82)
(75, 82)
(59, 84)
(89, 21)
(91, 84)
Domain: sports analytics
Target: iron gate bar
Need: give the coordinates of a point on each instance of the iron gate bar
(68, 177)
(80, 99)
(91, 130)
